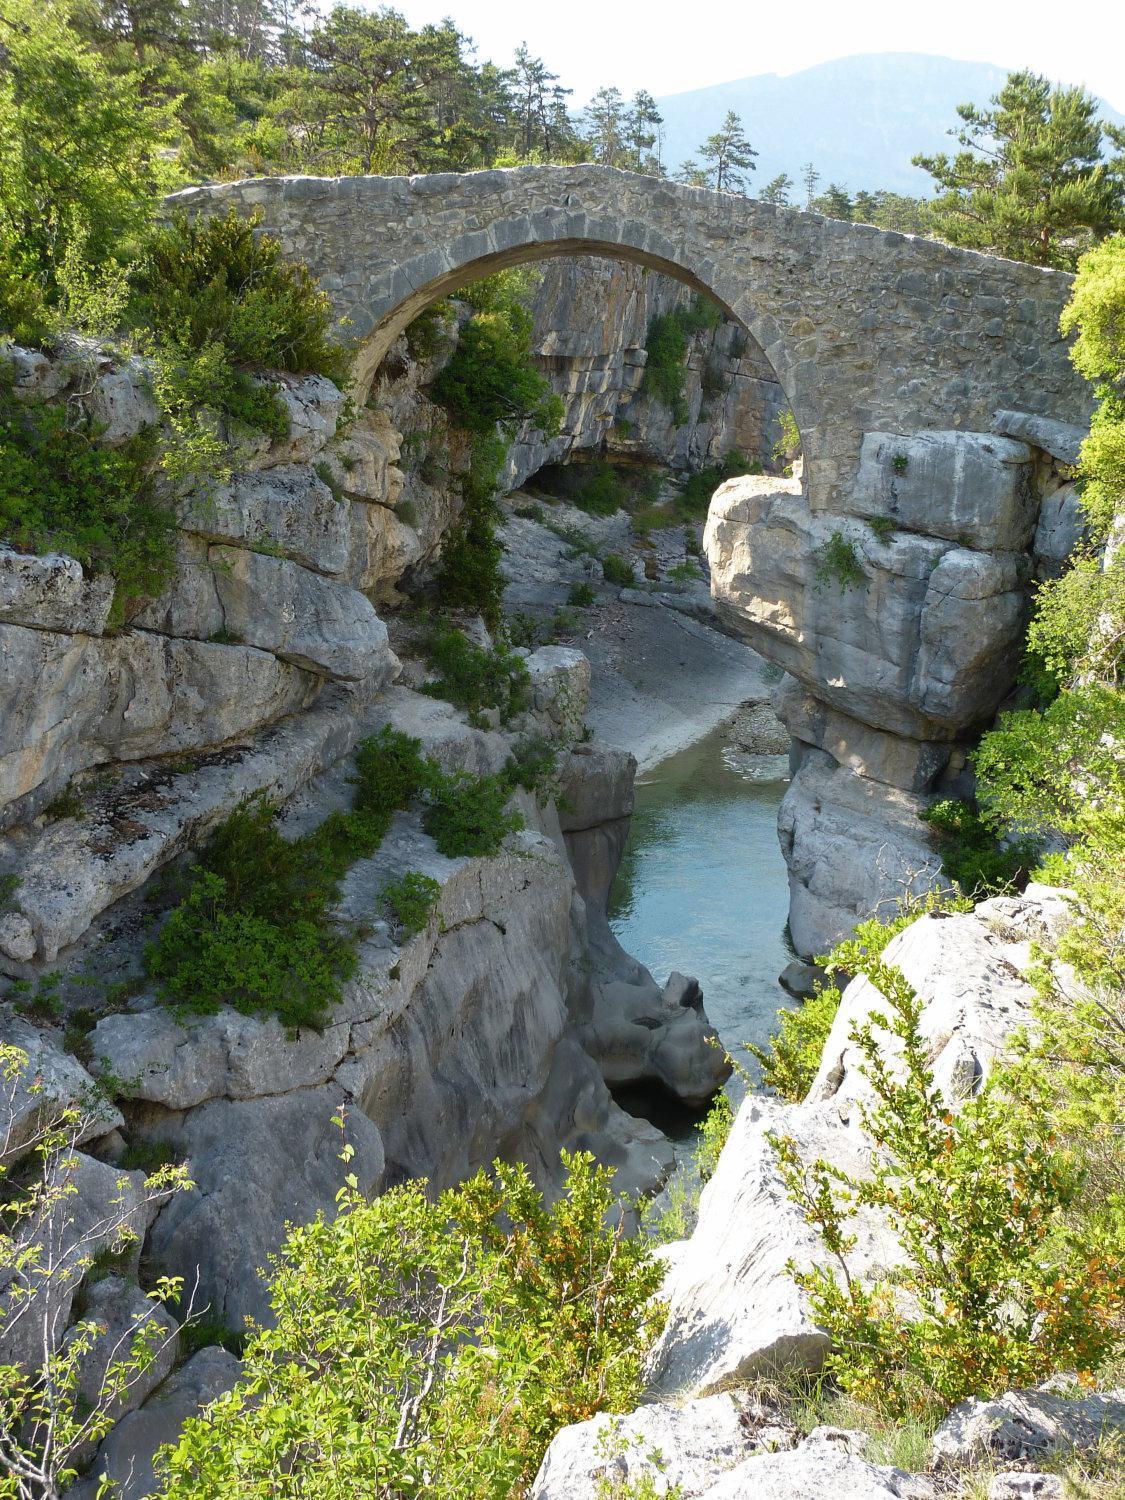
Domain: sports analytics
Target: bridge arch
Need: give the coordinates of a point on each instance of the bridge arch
(865, 329)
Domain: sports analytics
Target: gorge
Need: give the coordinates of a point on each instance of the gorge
(861, 614)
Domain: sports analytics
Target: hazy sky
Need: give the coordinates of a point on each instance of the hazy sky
(672, 45)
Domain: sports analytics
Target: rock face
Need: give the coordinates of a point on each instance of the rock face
(1027, 1425)
(897, 614)
(734, 1312)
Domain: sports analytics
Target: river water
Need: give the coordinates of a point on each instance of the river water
(702, 887)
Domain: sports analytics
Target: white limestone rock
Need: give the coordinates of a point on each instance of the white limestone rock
(51, 592)
(126, 1456)
(90, 1204)
(73, 869)
(1062, 440)
(361, 459)
(120, 402)
(73, 701)
(288, 510)
(972, 1000)
(816, 1471)
(1062, 527)
(560, 689)
(1024, 1425)
(1020, 1484)
(313, 405)
(308, 620)
(381, 548)
(121, 1313)
(851, 845)
(969, 487)
(49, 1082)
(256, 1163)
(673, 1448)
(733, 1310)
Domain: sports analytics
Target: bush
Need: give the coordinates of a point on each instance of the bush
(253, 927)
(581, 596)
(474, 679)
(972, 854)
(431, 1348)
(60, 491)
(466, 815)
(837, 561)
(469, 575)
(411, 899)
(994, 1291)
(490, 379)
(666, 347)
(618, 570)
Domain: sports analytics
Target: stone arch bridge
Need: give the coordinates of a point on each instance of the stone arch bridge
(939, 414)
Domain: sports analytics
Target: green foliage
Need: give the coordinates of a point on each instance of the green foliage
(788, 444)
(467, 815)
(82, 144)
(883, 528)
(431, 331)
(714, 1129)
(790, 1064)
(837, 561)
(9, 885)
(666, 363)
(60, 491)
(24, 316)
(221, 302)
(474, 678)
(1029, 181)
(533, 766)
(1096, 313)
(469, 576)
(581, 596)
(684, 573)
(972, 854)
(253, 926)
(618, 570)
(411, 899)
(490, 379)
(995, 1290)
(1077, 633)
(695, 494)
(431, 1347)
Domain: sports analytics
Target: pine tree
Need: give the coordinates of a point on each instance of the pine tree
(729, 154)
(777, 190)
(833, 203)
(1030, 181)
(604, 118)
(643, 135)
(810, 177)
(693, 174)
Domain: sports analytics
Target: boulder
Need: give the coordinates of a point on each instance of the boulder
(381, 548)
(90, 1206)
(50, 1082)
(1021, 1484)
(641, 1034)
(1062, 440)
(1062, 527)
(287, 510)
(674, 1449)
(121, 1313)
(815, 1471)
(52, 593)
(922, 642)
(560, 689)
(1023, 1425)
(853, 847)
(734, 1312)
(972, 996)
(120, 402)
(255, 1163)
(969, 487)
(361, 458)
(126, 1456)
(300, 616)
(313, 405)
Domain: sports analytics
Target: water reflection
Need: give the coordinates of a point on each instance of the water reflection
(703, 888)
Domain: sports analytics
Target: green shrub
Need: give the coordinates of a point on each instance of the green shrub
(618, 570)
(467, 815)
(995, 1290)
(791, 1062)
(601, 492)
(490, 379)
(581, 596)
(253, 926)
(431, 330)
(431, 1347)
(883, 528)
(666, 348)
(24, 316)
(788, 444)
(532, 765)
(972, 854)
(60, 491)
(469, 575)
(411, 899)
(695, 495)
(473, 678)
(713, 1132)
(218, 281)
(684, 573)
(837, 561)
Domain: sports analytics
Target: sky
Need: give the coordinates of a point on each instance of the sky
(669, 46)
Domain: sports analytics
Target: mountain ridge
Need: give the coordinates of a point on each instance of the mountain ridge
(858, 119)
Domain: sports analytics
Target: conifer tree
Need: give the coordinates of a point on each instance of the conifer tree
(777, 190)
(1029, 181)
(729, 154)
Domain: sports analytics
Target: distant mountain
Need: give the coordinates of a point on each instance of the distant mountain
(859, 119)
